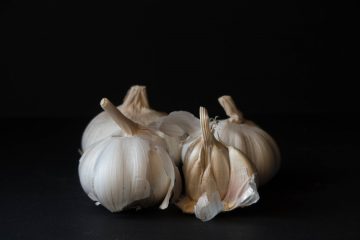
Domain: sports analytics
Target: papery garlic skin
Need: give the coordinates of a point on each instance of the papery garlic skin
(217, 177)
(130, 168)
(180, 124)
(244, 135)
(135, 107)
(177, 127)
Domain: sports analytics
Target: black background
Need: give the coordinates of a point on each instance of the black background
(290, 65)
(58, 59)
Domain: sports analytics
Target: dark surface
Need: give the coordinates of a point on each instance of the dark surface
(314, 196)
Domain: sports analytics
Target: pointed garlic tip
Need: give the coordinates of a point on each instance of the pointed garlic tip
(136, 96)
(230, 109)
(128, 126)
(205, 126)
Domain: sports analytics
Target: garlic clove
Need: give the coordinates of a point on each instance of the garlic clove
(167, 181)
(177, 186)
(242, 186)
(219, 162)
(208, 206)
(158, 176)
(193, 169)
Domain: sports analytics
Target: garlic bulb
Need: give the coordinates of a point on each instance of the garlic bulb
(177, 126)
(217, 177)
(130, 168)
(135, 106)
(244, 135)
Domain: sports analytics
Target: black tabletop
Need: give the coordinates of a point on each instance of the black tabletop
(314, 196)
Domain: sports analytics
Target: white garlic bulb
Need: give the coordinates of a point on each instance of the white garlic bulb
(130, 168)
(135, 107)
(217, 177)
(244, 135)
(177, 126)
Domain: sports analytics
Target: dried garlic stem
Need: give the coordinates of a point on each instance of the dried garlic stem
(128, 126)
(205, 127)
(136, 97)
(231, 110)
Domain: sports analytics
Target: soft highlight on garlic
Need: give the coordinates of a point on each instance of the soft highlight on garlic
(135, 107)
(130, 168)
(217, 177)
(254, 142)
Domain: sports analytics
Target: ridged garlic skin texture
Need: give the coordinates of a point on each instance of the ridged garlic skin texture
(255, 143)
(177, 127)
(122, 172)
(258, 146)
(217, 177)
(134, 107)
(131, 168)
(99, 128)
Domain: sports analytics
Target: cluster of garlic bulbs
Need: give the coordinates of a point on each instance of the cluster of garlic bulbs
(132, 156)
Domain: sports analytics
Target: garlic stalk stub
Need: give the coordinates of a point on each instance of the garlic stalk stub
(130, 168)
(244, 135)
(135, 107)
(217, 177)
